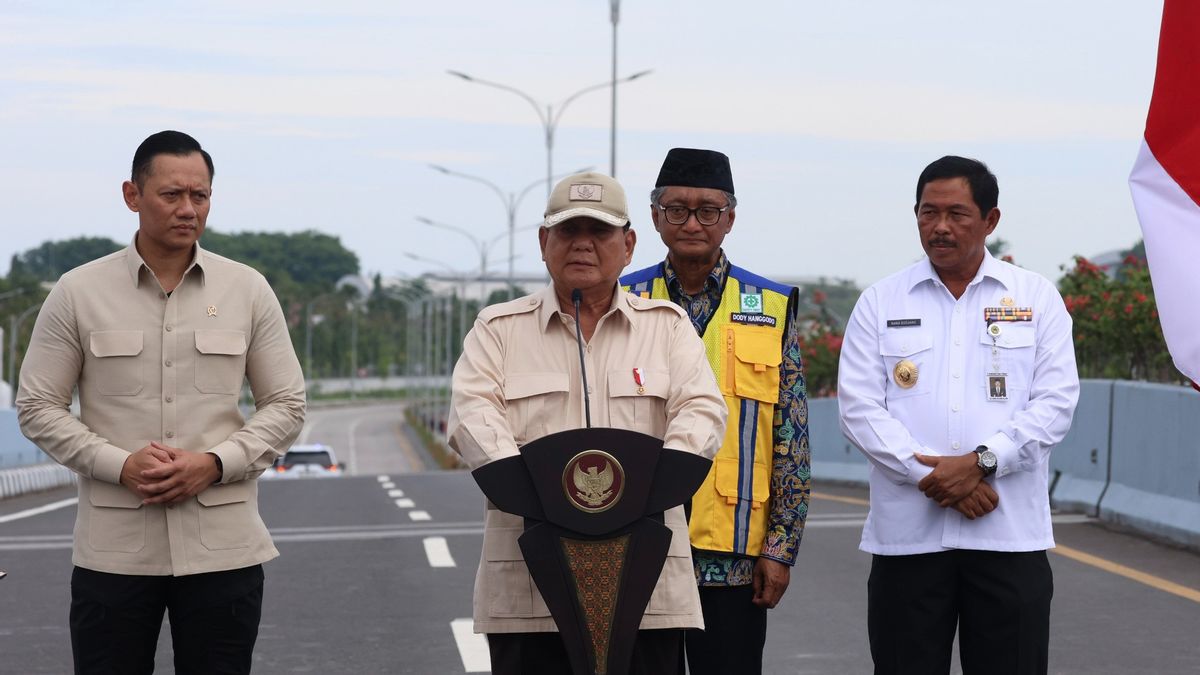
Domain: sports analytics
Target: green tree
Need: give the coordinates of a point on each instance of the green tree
(51, 259)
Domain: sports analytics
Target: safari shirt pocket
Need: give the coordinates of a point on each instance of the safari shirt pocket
(226, 516)
(529, 399)
(221, 361)
(117, 368)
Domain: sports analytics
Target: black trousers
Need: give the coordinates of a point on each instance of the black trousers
(999, 602)
(116, 619)
(656, 652)
(735, 632)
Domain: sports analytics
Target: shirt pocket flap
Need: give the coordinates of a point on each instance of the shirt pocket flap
(227, 342)
(760, 348)
(116, 343)
(113, 495)
(904, 344)
(1012, 336)
(230, 493)
(524, 385)
(656, 383)
(502, 546)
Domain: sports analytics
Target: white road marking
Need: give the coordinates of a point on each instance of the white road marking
(38, 510)
(353, 463)
(388, 485)
(395, 493)
(472, 646)
(383, 479)
(419, 515)
(308, 427)
(438, 552)
(405, 503)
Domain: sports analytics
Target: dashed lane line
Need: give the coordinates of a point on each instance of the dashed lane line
(383, 479)
(419, 515)
(388, 485)
(395, 493)
(472, 647)
(438, 552)
(405, 503)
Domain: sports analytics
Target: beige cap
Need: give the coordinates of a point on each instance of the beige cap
(588, 195)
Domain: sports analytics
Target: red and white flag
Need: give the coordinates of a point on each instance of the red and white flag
(1166, 184)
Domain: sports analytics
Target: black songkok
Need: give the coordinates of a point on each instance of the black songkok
(687, 167)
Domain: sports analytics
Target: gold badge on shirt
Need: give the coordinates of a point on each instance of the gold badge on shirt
(905, 374)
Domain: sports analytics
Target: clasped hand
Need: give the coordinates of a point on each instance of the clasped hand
(957, 482)
(161, 474)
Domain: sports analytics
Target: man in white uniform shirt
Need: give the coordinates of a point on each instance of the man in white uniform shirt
(957, 378)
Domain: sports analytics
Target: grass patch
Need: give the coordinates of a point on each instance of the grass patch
(441, 454)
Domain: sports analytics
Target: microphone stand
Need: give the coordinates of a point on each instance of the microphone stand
(577, 297)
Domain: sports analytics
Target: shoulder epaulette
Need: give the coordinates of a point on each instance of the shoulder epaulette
(521, 305)
(646, 304)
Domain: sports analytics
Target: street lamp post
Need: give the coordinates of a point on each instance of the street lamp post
(615, 15)
(462, 283)
(511, 201)
(481, 246)
(550, 116)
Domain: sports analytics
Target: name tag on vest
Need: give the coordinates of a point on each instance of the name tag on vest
(903, 323)
(753, 319)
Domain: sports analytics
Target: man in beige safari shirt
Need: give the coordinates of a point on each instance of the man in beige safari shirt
(158, 338)
(519, 379)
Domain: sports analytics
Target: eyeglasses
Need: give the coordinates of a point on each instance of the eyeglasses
(705, 215)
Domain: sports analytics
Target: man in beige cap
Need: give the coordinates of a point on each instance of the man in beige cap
(519, 379)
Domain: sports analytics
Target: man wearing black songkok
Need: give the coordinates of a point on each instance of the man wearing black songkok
(747, 518)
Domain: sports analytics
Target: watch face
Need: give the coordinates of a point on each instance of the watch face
(987, 459)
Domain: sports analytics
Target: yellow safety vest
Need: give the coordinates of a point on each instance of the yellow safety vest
(744, 342)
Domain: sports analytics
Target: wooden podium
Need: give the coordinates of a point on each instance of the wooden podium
(594, 541)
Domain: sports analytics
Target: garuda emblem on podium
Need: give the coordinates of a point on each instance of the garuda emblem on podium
(593, 481)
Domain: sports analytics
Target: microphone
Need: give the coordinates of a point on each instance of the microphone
(577, 297)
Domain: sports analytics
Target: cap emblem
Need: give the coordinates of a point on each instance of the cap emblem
(586, 192)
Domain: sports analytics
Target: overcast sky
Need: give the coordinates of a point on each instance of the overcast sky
(325, 115)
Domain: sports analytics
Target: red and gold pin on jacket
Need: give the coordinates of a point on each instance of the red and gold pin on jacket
(639, 378)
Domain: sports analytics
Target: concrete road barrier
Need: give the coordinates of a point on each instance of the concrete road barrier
(833, 457)
(1079, 465)
(1155, 484)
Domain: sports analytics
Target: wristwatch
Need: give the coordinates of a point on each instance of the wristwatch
(987, 460)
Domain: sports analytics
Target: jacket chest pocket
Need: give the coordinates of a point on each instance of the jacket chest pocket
(908, 360)
(642, 407)
(531, 398)
(752, 355)
(117, 368)
(1014, 353)
(220, 361)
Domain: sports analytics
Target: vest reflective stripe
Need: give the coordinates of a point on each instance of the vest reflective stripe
(729, 511)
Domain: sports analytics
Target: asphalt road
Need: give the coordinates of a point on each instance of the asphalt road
(376, 569)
